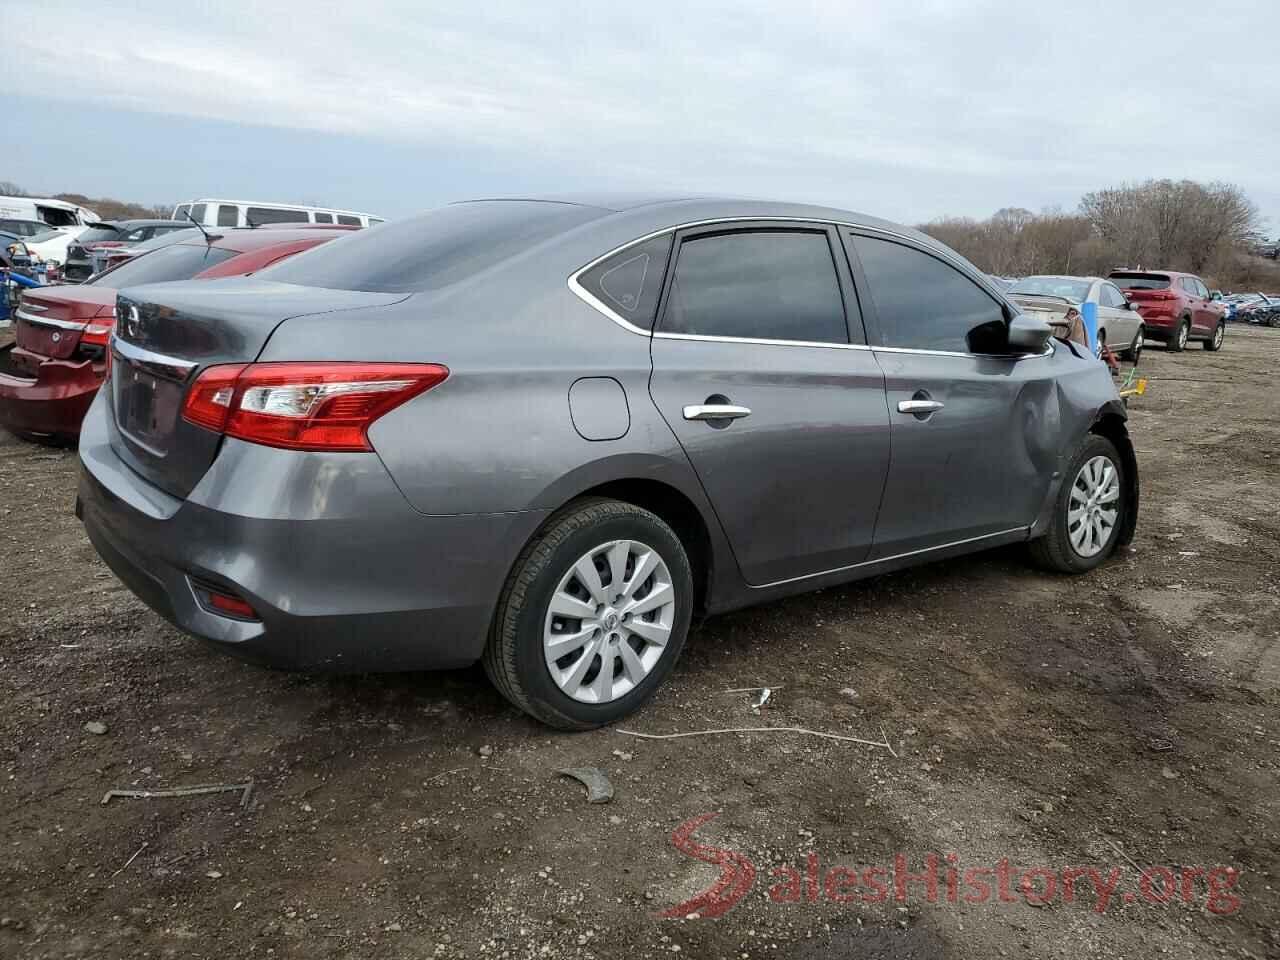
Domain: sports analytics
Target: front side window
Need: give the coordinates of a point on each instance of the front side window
(180, 213)
(757, 284)
(630, 282)
(228, 215)
(925, 304)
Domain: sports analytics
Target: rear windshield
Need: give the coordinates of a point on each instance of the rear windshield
(432, 250)
(100, 233)
(1140, 281)
(1067, 287)
(178, 262)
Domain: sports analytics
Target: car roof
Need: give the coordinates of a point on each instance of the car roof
(664, 211)
(1058, 276)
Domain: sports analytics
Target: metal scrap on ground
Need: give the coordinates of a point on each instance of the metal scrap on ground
(599, 789)
(244, 788)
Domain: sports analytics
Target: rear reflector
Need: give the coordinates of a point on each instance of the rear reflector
(304, 406)
(225, 603)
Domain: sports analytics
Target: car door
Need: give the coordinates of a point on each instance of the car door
(1121, 321)
(761, 369)
(971, 439)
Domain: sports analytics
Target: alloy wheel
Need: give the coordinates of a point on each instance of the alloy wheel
(1217, 336)
(1183, 334)
(1093, 507)
(609, 621)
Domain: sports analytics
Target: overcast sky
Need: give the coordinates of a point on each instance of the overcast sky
(908, 110)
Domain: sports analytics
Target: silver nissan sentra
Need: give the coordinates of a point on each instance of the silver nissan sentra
(545, 434)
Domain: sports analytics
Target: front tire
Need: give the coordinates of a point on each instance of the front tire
(1088, 512)
(1135, 348)
(593, 616)
(1214, 343)
(1178, 342)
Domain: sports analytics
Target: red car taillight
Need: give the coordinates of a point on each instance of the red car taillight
(98, 330)
(304, 406)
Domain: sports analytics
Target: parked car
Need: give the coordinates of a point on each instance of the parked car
(545, 435)
(249, 213)
(56, 213)
(1176, 308)
(1053, 298)
(111, 235)
(49, 376)
(22, 228)
(51, 246)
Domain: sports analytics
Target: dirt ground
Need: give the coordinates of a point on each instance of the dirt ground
(1118, 721)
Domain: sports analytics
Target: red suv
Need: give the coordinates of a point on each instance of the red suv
(50, 375)
(1175, 307)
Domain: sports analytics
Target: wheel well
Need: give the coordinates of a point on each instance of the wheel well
(679, 513)
(1112, 426)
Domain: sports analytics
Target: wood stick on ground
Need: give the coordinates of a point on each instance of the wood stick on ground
(129, 861)
(801, 730)
(1117, 849)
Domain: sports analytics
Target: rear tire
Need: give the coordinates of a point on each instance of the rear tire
(1063, 548)
(525, 629)
(1214, 343)
(1178, 342)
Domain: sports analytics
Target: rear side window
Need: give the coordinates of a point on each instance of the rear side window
(1111, 297)
(923, 303)
(260, 215)
(432, 250)
(349, 221)
(767, 285)
(1140, 281)
(180, 261)
(228, 216)
(630, 282)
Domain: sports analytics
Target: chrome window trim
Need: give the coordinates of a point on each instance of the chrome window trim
(168, 368)
(583, 294)
(21, 314)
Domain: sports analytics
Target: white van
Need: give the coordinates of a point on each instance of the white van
(56, 213)
(246, 213)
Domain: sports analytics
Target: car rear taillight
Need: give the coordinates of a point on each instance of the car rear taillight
(98, 330)
(304, 406)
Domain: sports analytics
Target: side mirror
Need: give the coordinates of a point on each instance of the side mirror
(1028, 335)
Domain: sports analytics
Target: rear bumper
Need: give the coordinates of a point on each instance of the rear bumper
(356, 580)
(1159, 326)
(52, 402)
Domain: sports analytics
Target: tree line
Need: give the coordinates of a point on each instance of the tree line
(1207, 229)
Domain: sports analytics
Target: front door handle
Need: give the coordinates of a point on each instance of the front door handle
(715, 411)
(919, 406)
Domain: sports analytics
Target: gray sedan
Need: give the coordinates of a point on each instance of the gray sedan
(547, 434)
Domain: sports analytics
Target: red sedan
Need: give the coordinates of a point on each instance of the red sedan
(49, 376)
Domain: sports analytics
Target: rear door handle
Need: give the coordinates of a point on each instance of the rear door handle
(919, 406)
(715, 411)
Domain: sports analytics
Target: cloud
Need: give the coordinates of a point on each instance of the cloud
(795, 99)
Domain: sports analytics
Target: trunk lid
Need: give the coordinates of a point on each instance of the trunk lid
(167, 333)
(1052, 310)
(50, 321)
